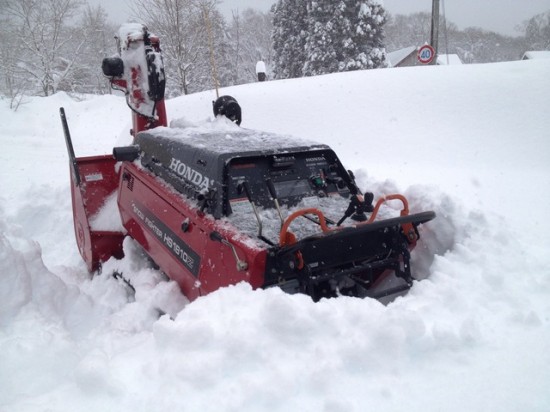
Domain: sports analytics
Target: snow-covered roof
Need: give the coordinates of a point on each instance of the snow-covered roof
(445, 59)
(398, 56)
(542, 54)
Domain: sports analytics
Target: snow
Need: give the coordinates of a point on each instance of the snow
(260, 67)
(130, 32)
(470, 142)
(542, 54)
(223, 136)
(132, 51)
(448, 59)
(107, 217)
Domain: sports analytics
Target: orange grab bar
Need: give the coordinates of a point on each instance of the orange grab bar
(404, 211)
(286, 237)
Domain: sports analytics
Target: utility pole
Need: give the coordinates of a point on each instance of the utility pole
(434, 32)
(208, 23)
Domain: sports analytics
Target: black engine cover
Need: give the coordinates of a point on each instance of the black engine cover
(210, 164)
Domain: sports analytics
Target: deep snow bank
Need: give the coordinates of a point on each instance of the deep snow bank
(472, 336)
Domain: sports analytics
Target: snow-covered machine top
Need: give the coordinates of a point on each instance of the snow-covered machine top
(209, 164)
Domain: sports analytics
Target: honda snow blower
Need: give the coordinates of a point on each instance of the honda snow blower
(218, 205)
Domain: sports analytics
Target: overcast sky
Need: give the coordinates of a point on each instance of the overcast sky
(501, 16)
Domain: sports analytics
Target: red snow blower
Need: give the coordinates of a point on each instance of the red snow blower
(218, 204)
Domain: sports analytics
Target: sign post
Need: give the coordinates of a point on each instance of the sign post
(426, 54)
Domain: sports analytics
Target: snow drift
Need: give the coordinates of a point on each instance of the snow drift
(470, 142)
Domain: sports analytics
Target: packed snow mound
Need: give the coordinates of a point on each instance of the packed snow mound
(222, 135)
(468, 142)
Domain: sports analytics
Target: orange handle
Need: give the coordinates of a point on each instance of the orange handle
(404, 211)
(408, 228)
(286, 237)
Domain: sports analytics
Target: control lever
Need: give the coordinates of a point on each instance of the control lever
(354, 189)
(243, 187)
(273, 193)
(357, 208)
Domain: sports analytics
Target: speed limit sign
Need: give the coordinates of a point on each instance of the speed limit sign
(426, 54)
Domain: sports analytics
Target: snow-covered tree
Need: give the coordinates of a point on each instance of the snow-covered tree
(344, 35)
(475, 45)
(250, 40)
(364, 46)
(288, 38)
(213, 68)
(96, 33)
(186, 29)
(410, 30)
(472, 45)
(537, 32)
(322, 41)
(13, 82)
(46, 49)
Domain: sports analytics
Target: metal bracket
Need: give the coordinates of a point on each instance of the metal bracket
(241, 264)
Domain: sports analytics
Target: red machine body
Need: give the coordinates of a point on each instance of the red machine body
(210, 213)
(178, 235)
(100, 180)
(139, 73)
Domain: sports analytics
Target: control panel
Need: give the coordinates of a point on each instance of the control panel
(290, 177)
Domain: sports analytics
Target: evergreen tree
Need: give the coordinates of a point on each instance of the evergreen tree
(288, 38)
(344, 35)
(324, 19)
(364, 48)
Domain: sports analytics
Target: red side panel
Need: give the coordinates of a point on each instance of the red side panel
(177, 237)
(99, 179)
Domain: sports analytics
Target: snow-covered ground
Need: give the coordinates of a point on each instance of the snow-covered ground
(471, 142)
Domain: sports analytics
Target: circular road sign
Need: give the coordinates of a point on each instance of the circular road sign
(426, 54)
